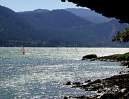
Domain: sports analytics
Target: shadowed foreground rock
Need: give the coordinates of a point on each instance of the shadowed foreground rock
(115, 87)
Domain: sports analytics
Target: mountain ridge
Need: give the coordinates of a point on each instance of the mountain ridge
(58, 27)
(89, 15)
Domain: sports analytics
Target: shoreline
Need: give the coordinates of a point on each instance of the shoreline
(122, 58)
(115, 87)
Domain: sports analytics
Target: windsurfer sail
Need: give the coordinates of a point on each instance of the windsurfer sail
(23, 50)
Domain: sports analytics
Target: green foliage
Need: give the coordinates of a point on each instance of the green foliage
(117, 57)
(122, 36)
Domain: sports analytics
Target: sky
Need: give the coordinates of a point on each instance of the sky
(27, 5)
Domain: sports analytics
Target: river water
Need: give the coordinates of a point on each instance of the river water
(42, 72)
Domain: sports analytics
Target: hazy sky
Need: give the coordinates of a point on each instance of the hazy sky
(25, 5)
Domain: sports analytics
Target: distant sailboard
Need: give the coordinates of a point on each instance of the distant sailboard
(23, 50)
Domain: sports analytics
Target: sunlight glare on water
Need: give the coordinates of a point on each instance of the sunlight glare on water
(41, 72)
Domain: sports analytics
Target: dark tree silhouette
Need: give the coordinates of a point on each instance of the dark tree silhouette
(109, 8)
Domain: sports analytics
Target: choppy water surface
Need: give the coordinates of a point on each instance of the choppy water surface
(41, 72)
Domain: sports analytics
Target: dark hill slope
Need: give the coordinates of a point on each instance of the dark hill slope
(12, 26)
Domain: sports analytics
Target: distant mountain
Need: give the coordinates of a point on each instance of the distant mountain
(56, 19)
(60, 24)
(88, 15)
(107, 30)
(12, 26)
(43, 27)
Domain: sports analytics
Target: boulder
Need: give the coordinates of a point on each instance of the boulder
(90, 56)
(108, 96)
(68, 83)
(77, 84)
(125, 64)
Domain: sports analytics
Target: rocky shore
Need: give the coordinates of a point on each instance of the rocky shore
(122, 58)
(115, 87)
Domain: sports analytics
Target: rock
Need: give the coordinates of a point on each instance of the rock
(93, 86)
(66, 97)
(68, 83)
(123, 58)
(77, 84)
(125, 64)
(108, 96)
(96, 81)
(87, 81)
(81, 97)
(91, 56)
(99, 91)
(115, 87)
